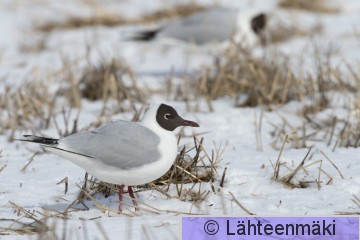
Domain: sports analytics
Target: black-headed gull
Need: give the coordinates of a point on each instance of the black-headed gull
(121, 152)
(213, 25)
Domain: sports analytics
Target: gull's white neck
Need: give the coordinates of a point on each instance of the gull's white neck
(149, 121)
(167, 147)
(244, 34)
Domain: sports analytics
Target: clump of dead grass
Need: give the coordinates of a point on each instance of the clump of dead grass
(44, 224)
(34, 105)
(282, 32)
(268, 80)
(27, 107)
(318, 6)
(293, 180)
(177, 11)
(114, 19)
(105, 80)
(73, 22)
(33, 43)
(333, 130)
(337, 132)
(29, 223)
(252, 81)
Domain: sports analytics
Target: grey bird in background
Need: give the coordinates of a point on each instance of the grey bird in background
(214, 25)
(121, 152)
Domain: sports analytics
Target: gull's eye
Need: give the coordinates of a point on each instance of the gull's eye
(167, 116)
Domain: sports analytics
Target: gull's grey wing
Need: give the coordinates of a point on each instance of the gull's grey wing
(120, 144)
(211, 25)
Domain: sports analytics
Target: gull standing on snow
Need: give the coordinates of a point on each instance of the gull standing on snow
(121, 152)
(214, 25)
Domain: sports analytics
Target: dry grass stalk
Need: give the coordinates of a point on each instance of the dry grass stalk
(356, 200)
(3, 166)
(240, 205)
(70, 127)
(66, 183)
(318, 6)
(223, 178)
(278, 163)
(31, 159)
(346, 213)
(259, 145)
(287, 179)
(111, 19)
(332, 163)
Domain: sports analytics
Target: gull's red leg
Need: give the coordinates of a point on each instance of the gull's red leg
(131, 193)
(121, 192)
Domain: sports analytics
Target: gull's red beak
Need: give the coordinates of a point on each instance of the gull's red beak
(189, 123)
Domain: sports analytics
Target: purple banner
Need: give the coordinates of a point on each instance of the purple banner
(342, 228)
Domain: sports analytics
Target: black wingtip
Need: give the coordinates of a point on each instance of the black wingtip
(37, 139)
(145, 35)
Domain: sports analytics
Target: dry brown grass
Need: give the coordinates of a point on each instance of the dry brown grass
(33, 43)
(254, 81)
(73, 22)
(44, 223)
(180, 10)
(29, 223)
(269, 80)
(28, 107)
(35, 105)
(105, 80)
(114, 19)
(319, 6)
(336, 132)
(333, 130)
(282, 32)
(2, 167)
(294, 179)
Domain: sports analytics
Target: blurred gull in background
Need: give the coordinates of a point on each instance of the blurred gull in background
(215, 25)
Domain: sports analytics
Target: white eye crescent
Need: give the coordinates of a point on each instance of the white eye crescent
(167, 116)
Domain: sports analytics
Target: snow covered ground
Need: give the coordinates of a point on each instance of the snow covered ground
(249, 163)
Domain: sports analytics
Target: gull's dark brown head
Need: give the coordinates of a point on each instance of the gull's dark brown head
(169, 119)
